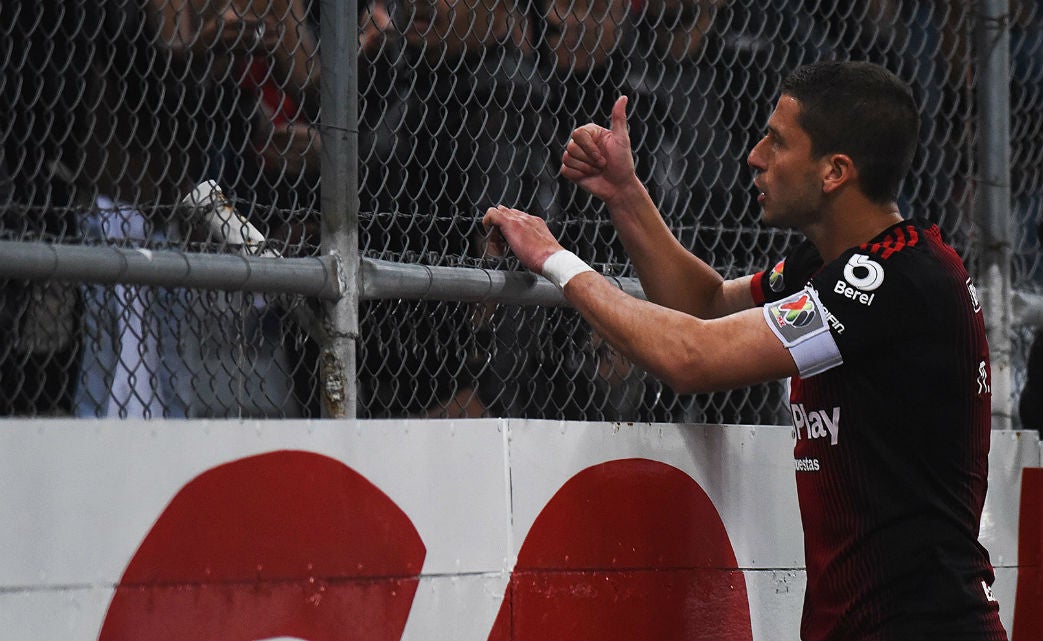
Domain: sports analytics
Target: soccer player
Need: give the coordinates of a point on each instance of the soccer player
(872, 316)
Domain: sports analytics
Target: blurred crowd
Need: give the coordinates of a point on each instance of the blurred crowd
(463, 104)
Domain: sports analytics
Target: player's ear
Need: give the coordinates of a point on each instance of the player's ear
(837, 170)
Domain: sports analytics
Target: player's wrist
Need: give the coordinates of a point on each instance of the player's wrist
(562, 266)
(627, 195)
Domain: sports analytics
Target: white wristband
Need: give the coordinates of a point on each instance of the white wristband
(562, 265)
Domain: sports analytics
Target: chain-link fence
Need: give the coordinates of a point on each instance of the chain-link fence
(115, 110)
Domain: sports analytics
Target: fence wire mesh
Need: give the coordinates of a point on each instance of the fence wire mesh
(1026, 169)
(116, 109)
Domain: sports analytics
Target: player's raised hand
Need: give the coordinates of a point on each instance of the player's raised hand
(600, 160)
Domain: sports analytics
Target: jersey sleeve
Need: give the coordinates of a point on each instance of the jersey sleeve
(872, 301)
(787, 276)
(793, 311)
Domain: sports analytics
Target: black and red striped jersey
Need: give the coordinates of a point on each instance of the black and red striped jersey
(891, 420)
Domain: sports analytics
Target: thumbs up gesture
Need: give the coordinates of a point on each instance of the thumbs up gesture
(600, 160)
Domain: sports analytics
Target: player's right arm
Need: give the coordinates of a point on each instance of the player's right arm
(600, 161)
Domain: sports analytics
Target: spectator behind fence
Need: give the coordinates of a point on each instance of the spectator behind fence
(461, 99)
(1026, 95)
(588, 47)
(672, 57)
(694, 90)
(140, 148)
(258, 61)
(39, 348)
(151, 352)
(1026, 136)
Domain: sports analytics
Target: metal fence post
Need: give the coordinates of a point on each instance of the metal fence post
(340, 202)
(992, 204)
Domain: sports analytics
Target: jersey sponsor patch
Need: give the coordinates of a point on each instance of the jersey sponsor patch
(807, 465)
(847, 291)
(812, 423)
(800, 322)
(863, 273)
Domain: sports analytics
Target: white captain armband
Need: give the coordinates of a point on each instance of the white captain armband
(802, 324)
(562, 265)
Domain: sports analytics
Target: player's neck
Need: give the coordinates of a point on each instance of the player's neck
(851, 225)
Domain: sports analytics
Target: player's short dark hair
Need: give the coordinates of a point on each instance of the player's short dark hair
(863, 111)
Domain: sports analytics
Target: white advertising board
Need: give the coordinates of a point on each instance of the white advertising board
(483, 529)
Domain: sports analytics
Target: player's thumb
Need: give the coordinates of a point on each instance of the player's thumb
(619, 116)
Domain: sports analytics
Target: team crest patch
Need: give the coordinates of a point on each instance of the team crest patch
(775, 281)
(797, 317)
(796, 311)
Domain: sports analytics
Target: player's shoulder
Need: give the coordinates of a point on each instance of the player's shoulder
(910, 260)
(892, 265)
(904, 238)
(911, 245)
(910, 240)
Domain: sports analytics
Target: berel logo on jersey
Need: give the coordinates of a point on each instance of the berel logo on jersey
(816, 423)
(863, 273)
(796, 311)
(775, 282)
(848, 291)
